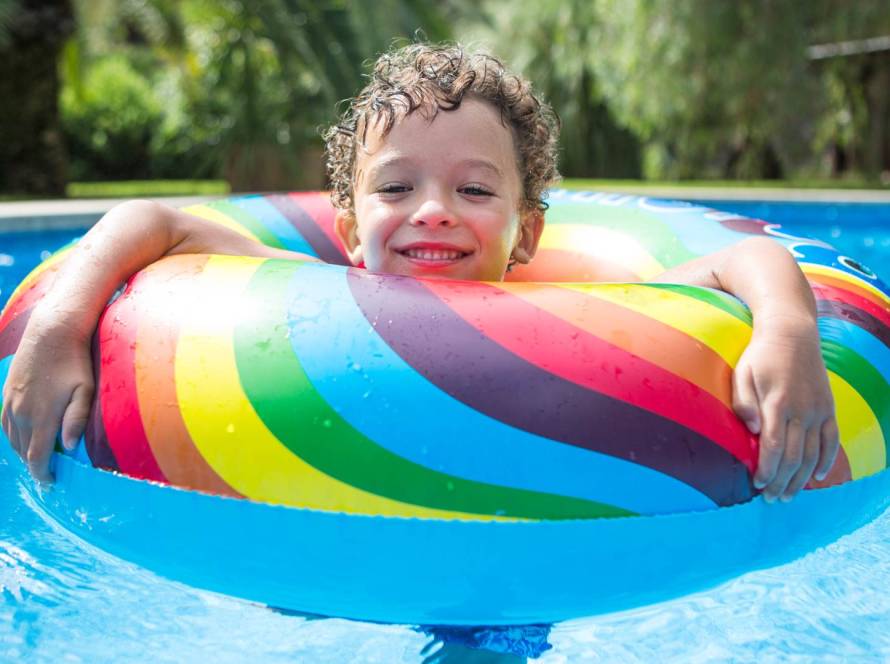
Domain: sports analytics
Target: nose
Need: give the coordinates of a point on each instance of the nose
(434, 211)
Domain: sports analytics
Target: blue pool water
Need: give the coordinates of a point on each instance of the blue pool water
(63, 600)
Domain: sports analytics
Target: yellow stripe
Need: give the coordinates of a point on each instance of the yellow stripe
(859, 429)
(603, 243)
(811, 268)
(211, 214)
(725, 334)
(224, 426)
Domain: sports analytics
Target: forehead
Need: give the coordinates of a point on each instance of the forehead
(472, 132)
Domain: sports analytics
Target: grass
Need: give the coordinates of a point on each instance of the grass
(137, 188)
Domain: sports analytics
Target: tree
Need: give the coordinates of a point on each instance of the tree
(247, 84)
(32, 155)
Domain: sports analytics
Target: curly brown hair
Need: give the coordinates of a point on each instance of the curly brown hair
(437, 77)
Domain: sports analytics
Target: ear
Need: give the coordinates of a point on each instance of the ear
(531, 225)
(346, 229)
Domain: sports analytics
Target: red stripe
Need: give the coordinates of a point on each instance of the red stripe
(824, 292)
(855, 288)
(586, 360)
(117, 390)
(318, 206)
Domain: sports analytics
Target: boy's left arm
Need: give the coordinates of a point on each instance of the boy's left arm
(780, 385)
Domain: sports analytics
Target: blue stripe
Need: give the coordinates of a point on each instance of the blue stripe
(693, 230)
(277, 224)
(381, 396)
(866, 345)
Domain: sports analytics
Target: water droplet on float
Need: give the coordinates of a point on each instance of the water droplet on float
(230, 428)
(327, 424)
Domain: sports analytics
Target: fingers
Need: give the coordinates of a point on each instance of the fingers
(744, 400)
(772, 447)
(40, 449)
(789, 459)
(829, 448)
(808, 463)
(77, 414)
(10, 430)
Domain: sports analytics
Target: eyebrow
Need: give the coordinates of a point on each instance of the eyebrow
(388, 162)
(391, 162)
(484, 164)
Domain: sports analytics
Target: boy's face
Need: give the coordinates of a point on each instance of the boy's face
(440, 199)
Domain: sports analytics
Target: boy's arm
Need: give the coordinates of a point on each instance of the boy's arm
(780, 385)
(50, 382)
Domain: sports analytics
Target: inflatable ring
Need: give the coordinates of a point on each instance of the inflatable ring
(386, 448)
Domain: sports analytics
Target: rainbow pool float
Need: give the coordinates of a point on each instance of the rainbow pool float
(320, 438)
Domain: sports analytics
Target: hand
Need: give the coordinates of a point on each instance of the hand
(781, 391)
(49, 387)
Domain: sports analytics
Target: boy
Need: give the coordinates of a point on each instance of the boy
(439, 170)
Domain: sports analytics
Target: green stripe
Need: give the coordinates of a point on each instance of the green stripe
(715, 298)
(655, 236)
(284, 398)
(249, 222)
(865, 379)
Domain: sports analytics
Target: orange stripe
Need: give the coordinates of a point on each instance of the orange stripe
(165, 430)
(551, 265)
(652, 340)
(839, 473)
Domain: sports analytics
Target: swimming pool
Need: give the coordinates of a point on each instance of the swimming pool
(65, 600)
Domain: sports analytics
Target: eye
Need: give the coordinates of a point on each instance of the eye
(393, 188)
(476, 190)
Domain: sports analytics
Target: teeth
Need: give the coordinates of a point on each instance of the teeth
(434, 254)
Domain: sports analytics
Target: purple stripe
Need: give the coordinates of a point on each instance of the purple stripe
(96, 439)
(847, 312)
(306, 226)
(477, 371)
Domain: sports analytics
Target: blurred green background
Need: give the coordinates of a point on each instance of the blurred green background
(208, 96)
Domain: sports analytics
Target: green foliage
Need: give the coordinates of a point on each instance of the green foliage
(244, 85)
(716, 88)
(142, 188)
(680, 89)
(8, 11)
(554, 43)
(110, 127)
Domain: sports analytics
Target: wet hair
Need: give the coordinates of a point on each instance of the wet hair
(437, 77)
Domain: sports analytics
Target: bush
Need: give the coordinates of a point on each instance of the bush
(109, 126)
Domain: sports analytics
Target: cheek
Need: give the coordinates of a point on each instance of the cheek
(503, 233)
(374, 231)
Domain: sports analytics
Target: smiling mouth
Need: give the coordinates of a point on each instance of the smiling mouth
(434, 255)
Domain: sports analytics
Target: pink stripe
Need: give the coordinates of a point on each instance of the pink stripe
(117, 390)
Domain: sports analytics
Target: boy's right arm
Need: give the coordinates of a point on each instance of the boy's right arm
(50, 382)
